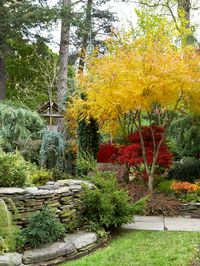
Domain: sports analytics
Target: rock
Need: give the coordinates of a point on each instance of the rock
(31, 189)
(51, 183)
(54, 205)
(67, 213)
(33, 202)
(12, 190)
(75, 188)
(67, 207)
(47, 253)
(41, 192)
(47, 187)
(81, 239)
(52, 262)
(61, 183)
(11, 259)
(62, 190)
(65, 200)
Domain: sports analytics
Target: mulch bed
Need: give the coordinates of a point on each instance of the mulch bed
(158, 203)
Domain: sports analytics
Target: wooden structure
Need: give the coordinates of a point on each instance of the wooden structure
(51, 111)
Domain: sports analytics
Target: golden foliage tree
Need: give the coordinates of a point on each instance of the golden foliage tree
(145, 77)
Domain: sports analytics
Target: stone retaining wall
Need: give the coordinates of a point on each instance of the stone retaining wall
(71, 247)
(191, 209)
(63, 198)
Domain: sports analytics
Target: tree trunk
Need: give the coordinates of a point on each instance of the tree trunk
(185, 5)
(63, 59)
(2, 79)
(150, 184)
(84, 45)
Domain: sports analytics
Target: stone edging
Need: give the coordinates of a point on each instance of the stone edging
(71, 247)
(190, 209)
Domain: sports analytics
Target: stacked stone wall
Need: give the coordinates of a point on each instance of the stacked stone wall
(62, 197)
(191, 209)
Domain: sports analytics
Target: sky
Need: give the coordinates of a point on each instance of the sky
(126, 14)
(124, 11)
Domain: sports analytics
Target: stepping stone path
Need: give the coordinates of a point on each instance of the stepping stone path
(161, 223)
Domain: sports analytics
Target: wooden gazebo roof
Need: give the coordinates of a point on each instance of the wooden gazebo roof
(51, 109)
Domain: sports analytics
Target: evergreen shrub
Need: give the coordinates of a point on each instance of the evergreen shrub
(187, 169)
(43, 228)
(107, 205)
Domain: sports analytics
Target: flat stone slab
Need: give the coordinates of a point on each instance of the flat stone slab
(182, 224)
(152, 226)
(62, 190)
(11, 259)
(81, 239)
(12, 190)
(160, 223)
(148, 219)
(47, 253)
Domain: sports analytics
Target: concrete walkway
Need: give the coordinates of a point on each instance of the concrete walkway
(161, 223)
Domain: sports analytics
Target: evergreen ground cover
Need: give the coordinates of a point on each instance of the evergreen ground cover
(146, 248)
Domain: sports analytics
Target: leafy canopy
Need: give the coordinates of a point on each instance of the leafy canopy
(138, 74)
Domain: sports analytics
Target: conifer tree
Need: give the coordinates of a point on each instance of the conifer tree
(17, 20)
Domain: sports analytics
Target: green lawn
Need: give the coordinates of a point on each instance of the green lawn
(144, 248)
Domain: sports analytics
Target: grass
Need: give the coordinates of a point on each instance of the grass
(145, 248)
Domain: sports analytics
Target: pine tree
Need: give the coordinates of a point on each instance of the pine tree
(17, 20)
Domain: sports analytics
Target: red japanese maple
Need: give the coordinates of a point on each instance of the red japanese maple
(108, 153)
(132, 154)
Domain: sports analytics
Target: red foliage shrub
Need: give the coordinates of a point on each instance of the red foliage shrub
(147, 134)
(132, 154)
(108, 153)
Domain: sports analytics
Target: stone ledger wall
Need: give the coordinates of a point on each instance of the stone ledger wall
(191, 209)
(62, 197)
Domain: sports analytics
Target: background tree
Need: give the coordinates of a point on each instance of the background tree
(94, 25)
(18, 19)
(179, 10)
(31, 73)
(184, 135)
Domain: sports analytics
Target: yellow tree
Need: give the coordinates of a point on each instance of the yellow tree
(145, 77)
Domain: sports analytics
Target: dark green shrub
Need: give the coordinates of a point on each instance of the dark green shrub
(43, 228)
(187, 169)
(88, 136)
(107, 205)
(13, 170)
